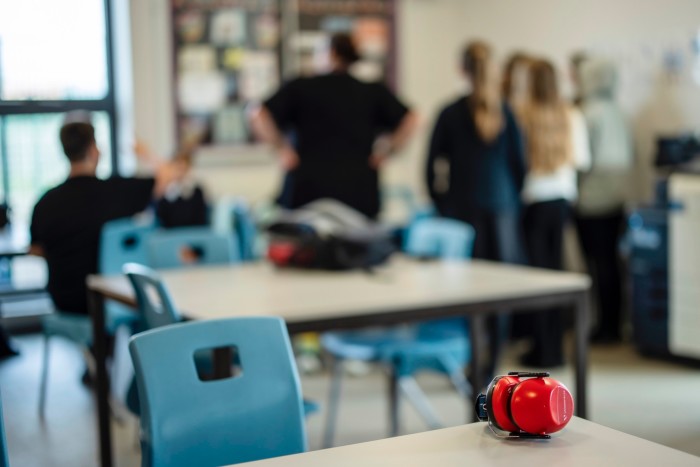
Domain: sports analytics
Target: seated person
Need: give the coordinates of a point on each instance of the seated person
(68, 219)
(184, 203)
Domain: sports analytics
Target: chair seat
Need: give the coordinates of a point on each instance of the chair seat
(407, 348)
(119, 315)
(78, 327)
(72, 326)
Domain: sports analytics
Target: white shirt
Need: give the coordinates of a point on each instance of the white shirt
(562, 183)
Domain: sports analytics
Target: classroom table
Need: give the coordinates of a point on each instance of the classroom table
(581, 443)
(402, 291)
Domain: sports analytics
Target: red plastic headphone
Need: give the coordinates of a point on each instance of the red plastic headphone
(525, 405)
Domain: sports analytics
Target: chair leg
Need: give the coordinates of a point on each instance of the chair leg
(122, 369)
(393, 403)
(115, 407)
(461, 384)
(333, 401)
(415, 395)
(44, 377)
(455, 371)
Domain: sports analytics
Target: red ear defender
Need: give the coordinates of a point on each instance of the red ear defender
(526, 405)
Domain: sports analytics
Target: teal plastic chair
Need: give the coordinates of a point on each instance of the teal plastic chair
(254, 415)
(4, 458)
(121, 241)
(404, 196)
(153, 300)
(440, 345)
(157, 309)
(234, 217)
(169, 248)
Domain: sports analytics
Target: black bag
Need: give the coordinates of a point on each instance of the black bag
(327, 234)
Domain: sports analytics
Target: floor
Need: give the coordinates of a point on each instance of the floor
(656, 400)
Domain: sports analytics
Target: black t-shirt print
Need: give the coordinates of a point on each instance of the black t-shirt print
(66, 224)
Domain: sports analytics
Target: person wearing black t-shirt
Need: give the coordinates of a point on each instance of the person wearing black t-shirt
(335, 123)
(67, 220)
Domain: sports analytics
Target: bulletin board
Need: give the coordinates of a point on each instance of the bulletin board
(226, 55)
(230, 53)
(370, 22)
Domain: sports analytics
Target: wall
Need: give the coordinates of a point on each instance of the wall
(153, 108)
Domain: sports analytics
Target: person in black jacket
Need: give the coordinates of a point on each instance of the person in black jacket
(327, 131)
(478, 138)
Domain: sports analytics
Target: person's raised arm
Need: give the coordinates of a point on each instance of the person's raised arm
(165, 172)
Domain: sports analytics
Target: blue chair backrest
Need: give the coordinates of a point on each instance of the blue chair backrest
(170, 248)
(254, 415)
(234, 217)
(445, 239)
(153, 299)
(4, 461)
(442, 238)
(246, 230)
(124, 241)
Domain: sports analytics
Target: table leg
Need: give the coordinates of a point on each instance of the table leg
(582, 312)
(393, 388)
(477, 326)
(96, 303)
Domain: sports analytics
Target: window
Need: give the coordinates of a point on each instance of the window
(55, 57)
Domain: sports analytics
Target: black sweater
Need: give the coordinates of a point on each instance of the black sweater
(483, 177)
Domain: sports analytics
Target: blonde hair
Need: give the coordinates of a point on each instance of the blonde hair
(545, 121)
(485, 101)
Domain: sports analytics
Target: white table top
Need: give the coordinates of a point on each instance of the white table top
(581, 443)
(260, 289)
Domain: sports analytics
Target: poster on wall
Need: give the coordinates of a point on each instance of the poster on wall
(227, 55)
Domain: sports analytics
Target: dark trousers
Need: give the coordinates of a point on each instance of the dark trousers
(599, 237)
(544, 237)
(498, 238)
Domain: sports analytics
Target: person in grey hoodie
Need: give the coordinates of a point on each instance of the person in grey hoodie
(603, 191)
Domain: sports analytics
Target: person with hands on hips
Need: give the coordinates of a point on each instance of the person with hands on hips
(333, 133)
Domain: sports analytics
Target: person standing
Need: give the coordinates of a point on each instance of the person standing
(477, 136)
(515, 87)
(603, 192)
(327, 131)
(557, 147)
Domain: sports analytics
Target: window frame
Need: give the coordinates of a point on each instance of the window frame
(107, 104)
